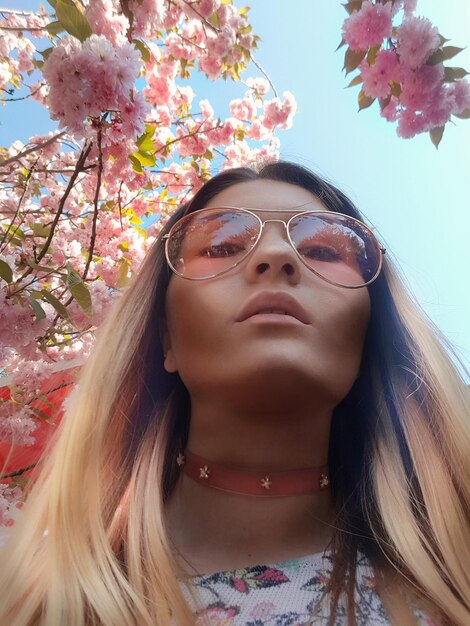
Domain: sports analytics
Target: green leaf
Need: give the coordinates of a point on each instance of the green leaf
(39, 230)
(145, 142)
(244, 11)
(436, 135)
(357, 80)
(38, 310)
(135, 219)
(383, 102)
(354, 5)
(18, 233)
(123, 274)
(464, 115)
(143, 49)
(57, 304)
(451, 51)
(145, 158)
(443, 54)
(73, 21)
(371, 55)
(363, 100)
(42, 268)
(352, 59)
(215, 20)
(137, 167)
(454, 73)
(40, 414)
(6, 272)
(54, 28)
(45, 53)
(79, 290)
(395, 88)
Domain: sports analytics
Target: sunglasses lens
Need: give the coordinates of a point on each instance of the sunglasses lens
(337, 247)
(208, 242)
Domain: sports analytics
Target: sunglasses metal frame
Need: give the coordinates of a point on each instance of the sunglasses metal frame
(381, 249)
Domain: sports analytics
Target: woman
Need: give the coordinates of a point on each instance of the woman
(265, 398)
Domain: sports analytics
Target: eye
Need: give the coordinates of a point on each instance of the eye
(321, 253)
(222, 250)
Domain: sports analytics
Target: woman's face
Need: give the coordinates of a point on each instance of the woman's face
(211, 350)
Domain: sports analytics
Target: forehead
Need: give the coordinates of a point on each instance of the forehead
(280, 198)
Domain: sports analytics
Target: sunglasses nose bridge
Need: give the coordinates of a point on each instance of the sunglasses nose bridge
(286, 230)
(264, 222)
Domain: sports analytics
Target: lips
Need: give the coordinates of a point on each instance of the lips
(276, 302)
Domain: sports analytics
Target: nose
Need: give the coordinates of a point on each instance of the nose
(273, 254)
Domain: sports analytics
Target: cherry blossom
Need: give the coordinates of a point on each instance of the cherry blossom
(417, 40)
(400, 64)
(368, 26)
(377, 77)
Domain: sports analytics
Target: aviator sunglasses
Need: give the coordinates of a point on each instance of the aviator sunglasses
(336, 247)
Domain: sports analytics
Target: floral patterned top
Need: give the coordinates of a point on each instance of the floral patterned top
(284, 594)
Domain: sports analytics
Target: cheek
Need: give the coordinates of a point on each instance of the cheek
(351, 323)
(190, 320)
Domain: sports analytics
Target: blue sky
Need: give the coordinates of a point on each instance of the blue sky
(415, 195)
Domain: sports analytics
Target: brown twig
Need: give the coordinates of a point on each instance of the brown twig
(78, 168)
(26, 13)
(21, 28)
(95, 202)
(32, 149)
(24, 97)
(202, 18)
(28, 178)
(265, 74)
(191, 134)
(18, 472)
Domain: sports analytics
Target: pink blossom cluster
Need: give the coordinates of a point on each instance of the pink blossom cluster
(17, 327)
(368, 26)
(11, 500)
(107, 18)
(86, 80)
(279, 113)
(412, 90)
(16, 53)
(18, 426)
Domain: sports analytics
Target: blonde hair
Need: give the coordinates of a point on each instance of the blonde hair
(91, 546)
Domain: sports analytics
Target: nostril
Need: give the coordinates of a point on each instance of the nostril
(262, 267)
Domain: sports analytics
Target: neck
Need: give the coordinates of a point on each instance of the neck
(214, 524)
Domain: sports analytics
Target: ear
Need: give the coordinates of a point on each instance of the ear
(169, 362)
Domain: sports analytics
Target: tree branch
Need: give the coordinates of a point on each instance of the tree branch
(27, 13)
(32, 149)
(78, 168)
(30, 95)
(265, 74)
(95, 202)
(28, 178)
(18, 472)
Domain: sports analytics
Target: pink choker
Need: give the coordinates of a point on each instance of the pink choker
(271, 483)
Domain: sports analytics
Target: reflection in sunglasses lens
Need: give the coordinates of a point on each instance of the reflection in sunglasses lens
(336, 247)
